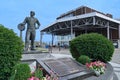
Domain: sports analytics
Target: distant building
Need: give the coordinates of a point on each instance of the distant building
(84, 20)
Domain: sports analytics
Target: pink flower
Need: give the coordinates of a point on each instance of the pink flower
(41, 68)
(51, 72)
(37, 79)
(97, 65)
(33, 78)
(32, 72)
(34, 67)
(48, 77)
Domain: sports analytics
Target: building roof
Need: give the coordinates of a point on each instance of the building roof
(88, 15)
(80, 17)
(82, 10)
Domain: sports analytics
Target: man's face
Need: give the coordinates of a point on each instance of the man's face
(32, 14)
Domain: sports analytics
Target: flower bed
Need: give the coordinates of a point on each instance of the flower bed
(98, 67)
(39, 75)
(38, 72)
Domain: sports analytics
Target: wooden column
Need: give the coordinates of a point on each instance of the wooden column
(108, 31)
(93, 20)
(41, 35)
(71, 30)
(119, 36)
(52, 43)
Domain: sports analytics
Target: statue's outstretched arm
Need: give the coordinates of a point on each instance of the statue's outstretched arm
(25, 21)
(38, 23)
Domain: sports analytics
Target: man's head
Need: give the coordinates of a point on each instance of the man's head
(32, 13)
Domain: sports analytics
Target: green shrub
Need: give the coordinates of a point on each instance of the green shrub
(21, 72)
(83, 59)
(10, 51)
(93, 45)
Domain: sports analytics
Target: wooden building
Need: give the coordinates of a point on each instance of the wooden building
(81, 10)
(85, 20)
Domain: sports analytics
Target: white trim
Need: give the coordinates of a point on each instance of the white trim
(49, 25)
(108, 18)
(76, 17)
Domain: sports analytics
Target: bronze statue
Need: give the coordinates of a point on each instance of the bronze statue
(30, 32)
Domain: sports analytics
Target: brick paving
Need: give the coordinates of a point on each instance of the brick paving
(116, 56)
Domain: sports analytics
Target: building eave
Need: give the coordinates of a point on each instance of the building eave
(83, 16)
(89, 15)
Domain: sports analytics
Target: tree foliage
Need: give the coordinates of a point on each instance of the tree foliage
(10, 51)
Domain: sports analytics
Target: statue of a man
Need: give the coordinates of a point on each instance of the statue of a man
(30, 32)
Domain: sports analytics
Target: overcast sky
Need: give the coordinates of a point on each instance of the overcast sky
(13, 12)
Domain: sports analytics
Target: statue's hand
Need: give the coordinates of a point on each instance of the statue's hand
(37, 27)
